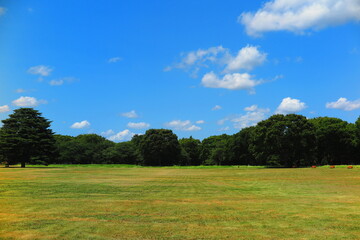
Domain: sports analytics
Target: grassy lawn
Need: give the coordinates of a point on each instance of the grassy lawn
(122, 202)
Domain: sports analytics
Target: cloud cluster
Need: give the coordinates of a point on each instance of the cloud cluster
(344, 104)
(139, 125)
(61, 81)
(108, 133)
(182, 125)
(114, 59)
(216, 107)
(40, 70)
(80, 125)
(299, 15)
(44, 71)
(246, 59)
(249, 119)
(131, 114)
(253, 115)
(234, 81)
(28, 102)
(289, 105)
(198, 58)
(4, 108)
(125, 135)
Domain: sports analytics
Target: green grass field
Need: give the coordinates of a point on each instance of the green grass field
(122, 202)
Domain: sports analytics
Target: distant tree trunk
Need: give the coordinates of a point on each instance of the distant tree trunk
(7, 165)
(23, 164)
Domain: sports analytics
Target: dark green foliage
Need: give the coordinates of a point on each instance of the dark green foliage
(122, 153)
(357, 126)
(357, 141)
(89, 148)
(212, 150)
(190, 151)
(336, 140)
(26, 137)
(94, 149)
(159, 147)
(238, 148)
(281, 141)
(284, 141)
(136, 141)
(65, 148)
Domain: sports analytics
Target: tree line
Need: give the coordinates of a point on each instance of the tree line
(280, 141)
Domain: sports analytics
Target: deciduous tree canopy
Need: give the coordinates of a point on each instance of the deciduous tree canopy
(284, 140)
(280, 141)
(160, 147)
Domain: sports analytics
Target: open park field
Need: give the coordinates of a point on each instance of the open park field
(119, 202)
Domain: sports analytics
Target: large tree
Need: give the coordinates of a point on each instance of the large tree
(159, 147)
(90, 149)
(335, 140)
(122, 153)
(284, 140)
(191, 147)
(238, 148)
(65, 148)
(26, 137)
(212, 151)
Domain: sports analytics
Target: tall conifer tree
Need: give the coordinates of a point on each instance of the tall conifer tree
(26, 137)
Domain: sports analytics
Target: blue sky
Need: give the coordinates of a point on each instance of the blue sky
(200, 68)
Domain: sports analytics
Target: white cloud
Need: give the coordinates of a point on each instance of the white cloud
(4, 108)
(114, 59)
(61, 81)
(234, 81)
(344, 104)
(300, 15)
(290, 105)
(131, 114)
(200, 122)
(253, 115)
(251, 108)
(2, 11)
(125, 135)
(249, 119)
(40, 70)
(198, 58)
(80, 125)
(28, 102)
(247, 58)
(20, 90)
(216, 107)
(182, 125)
(56, 82)
(108, 133)
(255, 108)
(224, 129)
(139, 125)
